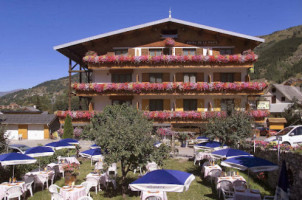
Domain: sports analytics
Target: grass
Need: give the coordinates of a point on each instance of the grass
(199, 189)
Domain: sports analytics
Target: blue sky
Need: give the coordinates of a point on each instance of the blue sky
(30, 28)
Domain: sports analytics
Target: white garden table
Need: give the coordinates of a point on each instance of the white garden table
(232, 179)
(73, 193)
(207, 169)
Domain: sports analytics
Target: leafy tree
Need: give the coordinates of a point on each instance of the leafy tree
(230, 130)
(293, 113)
(3, 139)
(125, 134)
(68, 129)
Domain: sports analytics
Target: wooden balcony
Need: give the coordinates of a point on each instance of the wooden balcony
(169, 88)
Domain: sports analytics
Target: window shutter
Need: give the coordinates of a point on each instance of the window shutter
(215, 53)
(200, 105)
(247, 78)
(131, 52)
(179, 77)
(179, 105)
(209, 78)
(216, 77)
(200, 77)
(237, 77)
(178, 51)
(145, 77)
(145, 104)
(217, 105)
(237, 104)
(110, 53)
(167, 104)
(90, 106)
(145, 52)
(199, 51)
(166, 77)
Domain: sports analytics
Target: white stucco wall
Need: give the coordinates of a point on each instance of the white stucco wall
(12, 132)
(100, 102)
(35, 132)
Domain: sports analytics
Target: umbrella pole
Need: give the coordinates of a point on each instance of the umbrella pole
(13, 171)
(248, 178)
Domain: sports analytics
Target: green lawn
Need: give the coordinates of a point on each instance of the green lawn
(199, 188)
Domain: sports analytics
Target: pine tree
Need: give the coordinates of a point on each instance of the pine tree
(68, 129)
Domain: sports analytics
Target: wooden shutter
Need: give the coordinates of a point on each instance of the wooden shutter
(179, 77)
(247, 78)
(145, 77)
(200, 105)
(210, 106)
(46, 132)
(22, 129)
(179, 105)
(167, 104)
(217, 105)
(90, 106)
(145, 104)
(215, 53)
(216, 77)
(237, 104)
(110, 53)
(178, 51)
(199, 51)
(200, 77)
(145, 52)
(209, 78)
(237, 77)
(131, 52)
(166, 77)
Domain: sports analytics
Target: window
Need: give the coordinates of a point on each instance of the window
(274, 98)
(227, 105)
(273, 90)
(190, 104)
(121, 78)
(155, 52)
(298, 131)
(282, 98)
(190, 78)
(227, 77)
(120, 102)
(187, 52)
(156, 105)
(156, 78)
(121, 52)
(226, 51)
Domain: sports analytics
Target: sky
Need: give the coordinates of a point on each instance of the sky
(29, 29)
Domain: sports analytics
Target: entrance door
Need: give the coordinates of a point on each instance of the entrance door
(22, 129)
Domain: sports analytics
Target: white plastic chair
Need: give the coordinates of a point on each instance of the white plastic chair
(54, 188)
(214, 174)
(87, 186)
(94, 183)
(111, 178)
(14, 192)
(56, 196)
(238, 184)
(85, 198)
(28, 187)
(224, 185)
(51, 177)
(227, 195)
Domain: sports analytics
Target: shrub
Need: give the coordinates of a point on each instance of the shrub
(68, 129)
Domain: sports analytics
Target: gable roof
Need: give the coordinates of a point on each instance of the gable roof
(155, 23)
(27, 118)
(290, 92)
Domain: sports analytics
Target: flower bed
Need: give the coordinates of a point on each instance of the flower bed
(170, 87)
(92, 57)
(273, 146)
(166, 115)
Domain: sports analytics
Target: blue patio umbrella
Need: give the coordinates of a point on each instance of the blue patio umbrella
(60, 145)
(157, 144)
(282, 189)
(70, 141)
(163, 180)
(209, 145)
(249, 163)
(229, 153)
(94, 146)
(202, 138)
(39, 151)
(92, 154)
(15, 159)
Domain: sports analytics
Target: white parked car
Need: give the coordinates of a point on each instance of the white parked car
(18, 148)
(291, 135)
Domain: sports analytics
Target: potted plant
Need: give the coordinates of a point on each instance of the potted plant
(71, 171)
(183, 138)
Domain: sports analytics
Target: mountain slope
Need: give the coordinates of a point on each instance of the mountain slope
(8, 92)
(280, 57)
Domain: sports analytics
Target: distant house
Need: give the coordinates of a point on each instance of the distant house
(29, 126)
(282, 96)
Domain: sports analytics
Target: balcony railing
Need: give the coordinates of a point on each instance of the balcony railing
(168, 87)
(167, 115)
(93, 58)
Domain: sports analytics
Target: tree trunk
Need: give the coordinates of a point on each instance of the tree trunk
(124, 186)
